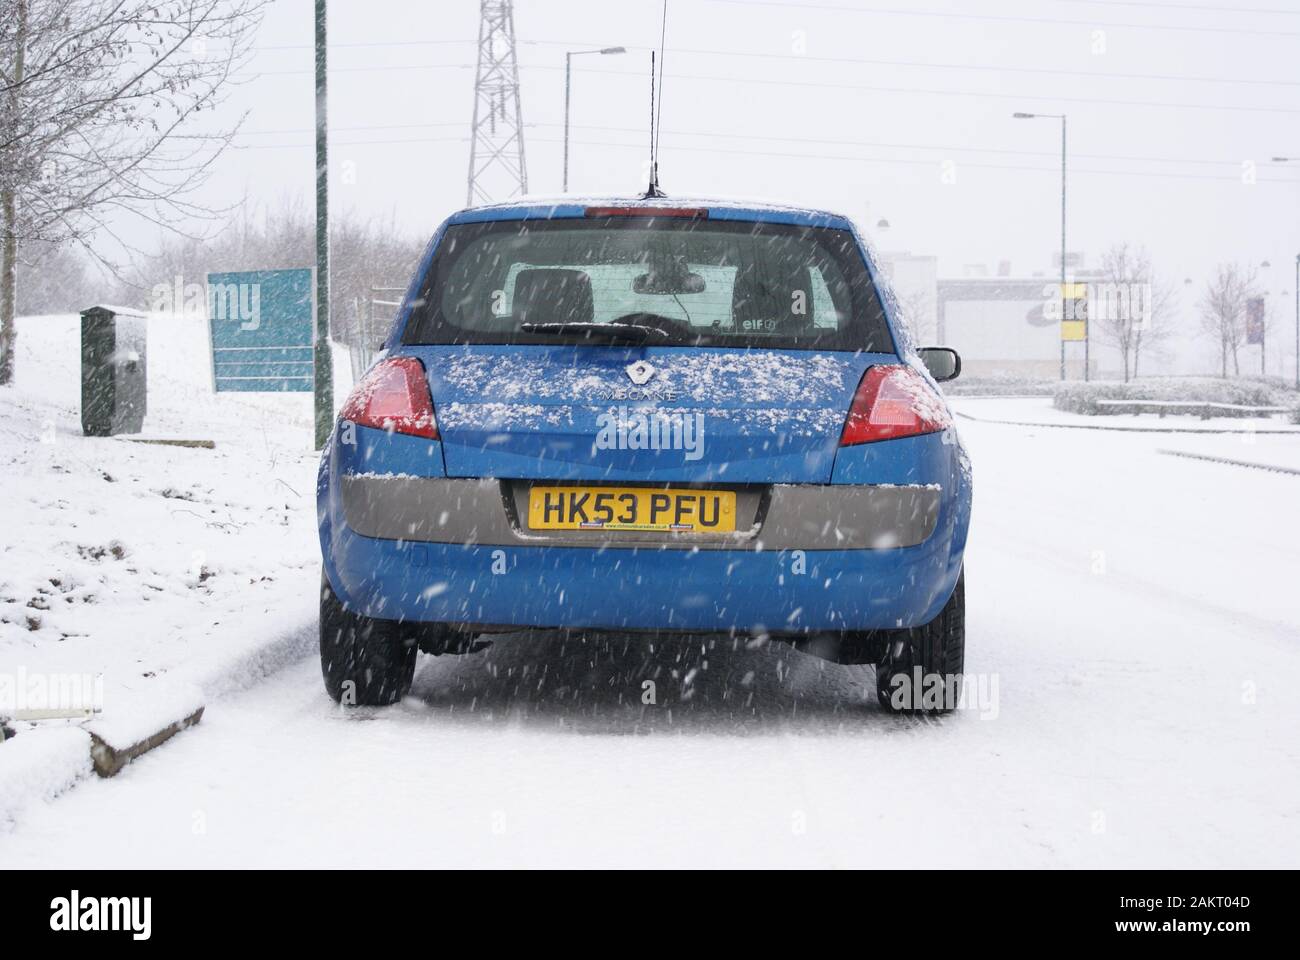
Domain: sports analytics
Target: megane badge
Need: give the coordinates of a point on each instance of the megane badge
(640, 372)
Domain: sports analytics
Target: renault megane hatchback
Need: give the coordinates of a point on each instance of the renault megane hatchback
(647, 417)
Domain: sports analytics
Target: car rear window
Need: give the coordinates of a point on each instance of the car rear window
(715, 283)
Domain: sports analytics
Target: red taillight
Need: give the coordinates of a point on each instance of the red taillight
(893, 401)
(393, 396)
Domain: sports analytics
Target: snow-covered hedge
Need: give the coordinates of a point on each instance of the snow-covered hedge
(1079, 397)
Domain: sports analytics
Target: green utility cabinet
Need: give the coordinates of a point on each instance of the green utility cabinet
(113, 371)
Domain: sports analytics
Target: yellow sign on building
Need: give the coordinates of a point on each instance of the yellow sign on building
(1074, 325)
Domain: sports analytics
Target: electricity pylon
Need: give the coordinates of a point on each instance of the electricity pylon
(497, 170)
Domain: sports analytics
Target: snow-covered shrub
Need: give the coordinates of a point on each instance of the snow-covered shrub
(1080, 397)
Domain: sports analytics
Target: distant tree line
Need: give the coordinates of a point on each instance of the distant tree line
(365, 252)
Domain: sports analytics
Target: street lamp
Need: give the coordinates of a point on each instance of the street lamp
(568, 72)
(1297, 290)
(1086, 332)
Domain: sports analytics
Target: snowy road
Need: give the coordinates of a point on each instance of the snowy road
(1138, 612)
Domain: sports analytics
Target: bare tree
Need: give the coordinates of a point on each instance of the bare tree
(1157, 328)
(1131, 308)
(917, 303)
(103, 105)
(1223, 311)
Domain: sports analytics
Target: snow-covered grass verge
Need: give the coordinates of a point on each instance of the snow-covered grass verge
(175, 573)
(1232, 398)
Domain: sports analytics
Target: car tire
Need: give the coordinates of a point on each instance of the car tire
(365, 662)
(938, 648)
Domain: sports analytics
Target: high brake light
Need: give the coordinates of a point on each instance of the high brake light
(893, 401)
(688, 213)
(393, 396)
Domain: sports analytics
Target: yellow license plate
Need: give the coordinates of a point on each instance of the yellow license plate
(631, 508)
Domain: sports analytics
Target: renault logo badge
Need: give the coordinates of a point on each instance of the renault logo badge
(640, 372)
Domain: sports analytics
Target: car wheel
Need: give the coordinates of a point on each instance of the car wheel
(365, 662)
(938, 649)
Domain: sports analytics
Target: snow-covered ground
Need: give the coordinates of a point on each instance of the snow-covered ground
(174, 573)
(1133, 630)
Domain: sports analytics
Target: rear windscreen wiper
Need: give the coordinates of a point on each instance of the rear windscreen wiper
(615, 332)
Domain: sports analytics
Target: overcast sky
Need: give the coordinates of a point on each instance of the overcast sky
(1166, 101)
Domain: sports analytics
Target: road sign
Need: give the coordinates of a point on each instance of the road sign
(1074, 330)
(261, 324)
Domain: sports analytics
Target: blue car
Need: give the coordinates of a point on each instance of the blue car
(647, 417)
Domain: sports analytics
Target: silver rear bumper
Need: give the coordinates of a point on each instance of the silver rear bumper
(779, 517)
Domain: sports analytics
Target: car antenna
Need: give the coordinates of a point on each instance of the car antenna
(653, 191)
